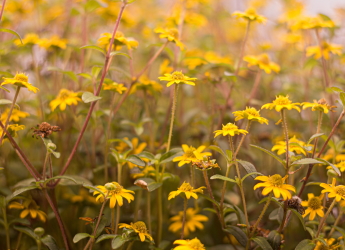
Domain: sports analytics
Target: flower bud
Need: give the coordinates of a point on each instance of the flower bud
(39, 231)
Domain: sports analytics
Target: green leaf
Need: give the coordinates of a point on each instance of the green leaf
(262, 242)
(105, 237)
(117, 242)
(336, 89)
(7, 102)
(222, 177)
(94, 47)
(90, 97)
(25, 222)
(50, 242)
(342, 98)
(2, 201)
(91, 5)
(3, 88)
(249, 167)
(322, 241)
(269, 153)
(240, 215)
(305, 245)
(340, 230)
(299, 216)
(93, 188)
(240, 236)
(146, 155)
(13, 33)
(153, 186)
(277, 214)
(59, 177)
(314, 183)
(306, 161)
(335, 168)
(136, 160)
(209, 199)
(170, 155)
(19, 191)
(115, 53)
(310, 63)
(219, 150)
(314, 136)
(104, 221)
(95, 71)
(311, 232)
(26, 231)
(80, 236)
(274, 238)
(250, 174)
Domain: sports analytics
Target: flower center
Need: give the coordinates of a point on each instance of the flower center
(252, 112)
(190, 152)
(314, 203)
(340, 190)
(322, 247)
(229, 127)
(185, 187)
(64, 94)
(140, 226)
(195, 244)
(264, 59)
(251, 11)
(21, 77)
(177, 75)
(282, 100)
(173, 33)
(276, 180)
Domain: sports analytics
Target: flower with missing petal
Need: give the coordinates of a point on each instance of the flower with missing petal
(314, 205)
(193, 244)
(324, 52)
(115, 192)
(191, 155)
(251, 114)
(138, 227)
(263, 62)
(177, 78)
(193, 221)
(282, 102)
(64, 98)
(20, 80)
(188, 190)
(251, 15)
(275, 184)
(320, 105)
(338, 192)
(229, 129)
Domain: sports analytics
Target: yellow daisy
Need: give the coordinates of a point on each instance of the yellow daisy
(29, 206)
(334, 191)
(193, 244)
(146, 84)
(193, 221)
(29, 39)
(276, 184)
(320, 105)
(327, 48)
(188, 190)
(137, 148)
(250, 114)
(251, 15)
(12, 129)
(330, 245)
(115, 192)
(293, 147)
(340, 165)
(177, 78)
(171, 34)
(263, 62)
(282, 102)
(20, 80)
(64, 98)
(314, 205)
(15, 116)
(148, 171)
(138, 227)
(191, 154)
(229, 129)
(312, 23)
(117, 87)
(52, 42)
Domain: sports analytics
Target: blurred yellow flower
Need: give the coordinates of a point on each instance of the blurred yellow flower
(263, 62)
(20, 80)
(340, 165)
(275, 183)
(12, 129)
(64, 98)
(295, 145)
(330, 154)
(137, 148)
(191, 155)
(314, 205)
(119, 41)
(193, 244)
(320, 105)
(327, 48)
(148, 171)
(15, 116)
(250, 15)
(188, 190)
(146, 84)
(171, 34)
(312, 23)
(177, 78)
(29, 206)
(330, 245)
(117, 87)
(293, 38)
(52, 43)
(164, 68)
(230, 129)
(138, 227)
(282, 102)
(338, 192)
(29, 39)
(250, 114)
(193, 221)
(115, 192)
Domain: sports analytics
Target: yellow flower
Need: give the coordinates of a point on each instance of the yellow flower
(314, 205)
(191, 154)
(148, 171)
(330, 154)
(12, 129)
(171, 34)
(320, 105)
(324, 52)
(193, 244)
(312, 23)
(64, 98)
(295, 145)
(138, 227)
(263, 61)
(83, 195)
(212, 57)
(29, 39)
(250, 114)
(334, 191)
(188, 190)
(115, 192)
(164, 68)
(330, 245)
(193, 221)
(137, 148)
(53, 42)
(276, 184)
(251, 15)
(177, 78)
(340, 165)
(117, 87)
(230, 129)
(20, 80)
(282, 102)
(147, 85)
(29, 206)
(15, 116)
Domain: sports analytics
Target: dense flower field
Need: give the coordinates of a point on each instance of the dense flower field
(180, 124)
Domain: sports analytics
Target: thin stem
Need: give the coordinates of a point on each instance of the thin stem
(45, 165)
(324, 218)
(281, 227)
(9, 114)
(243, 137)
(117, 218)
(242, 48)
(148, 212)
(335, 223)
(221, 204)
(160, 215)
(324, 70)
(130, 245)
(173, 110)
(255, 87)
(184, 217)
(137, 204)
(7, 232)
(262, 213)
(2, 9)
(113, 219)
(19, 240)
(286, 134)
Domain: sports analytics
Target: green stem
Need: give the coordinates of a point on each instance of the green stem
(184, 217)
(2, 9)
(7, 232)
(242, 48)
(9, 114)
(160, 215)
(45, 166)
(148, 212)
(173, 110)
(119, 172)
(335, 223)
(286, 134)
(324, 218)
(130, 245)
(243, 137)
(117, 218)
(39, 244)
(262, 213)
(137, 204)
(113, 219)
(221, 204)
(19, 240)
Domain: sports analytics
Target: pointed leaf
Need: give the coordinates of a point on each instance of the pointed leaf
(13, 33)
(115, 53)
(89, 97)
(26, 231)
(209, 199)
(136, 160)
(80, 236)
(306, 161)
(93, 188)
(104, 221)
(274, 238)
(299, 216)
(269, 153)
(117, 242)
(170, 155)
(314, 137)
(8, 102)
(335, 168)
(222, 177)
(305, 245)
(105, 237)
(153, 186)
(240, 236)
(146, 155)
(250, 174)
(342, 98)
(262, 242)
(219, 150)
(336, 89)
(249, 167)
(94, 47)
(50, 242)
(59, 177)
(19, 191)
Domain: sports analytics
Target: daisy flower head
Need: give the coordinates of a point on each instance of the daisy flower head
(295, 145)
(320, 105)
(193, 244)
(282, 102)
(171, 34)
(115, 192)
(193, 221)
(338, 192)
(230, 129)
(29, 207)
(324, 52)
(250, 15)
(114, 86)
(314, 205)
(188, 190)
(177, 77)
(138, 227)
(64, 98)
(191, 155)
(263, 62)
(330, 245)
(275, 183)
(12, 129)
(20, 80)
(340, 165)
(251, 114)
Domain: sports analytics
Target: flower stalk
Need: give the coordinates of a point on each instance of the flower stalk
(322, 222)
(185, 202)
